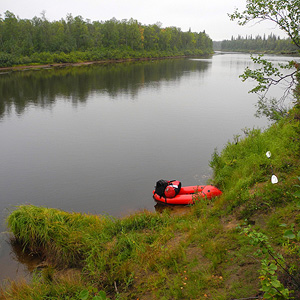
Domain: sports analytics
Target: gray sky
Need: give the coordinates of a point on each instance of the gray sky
(199, 15)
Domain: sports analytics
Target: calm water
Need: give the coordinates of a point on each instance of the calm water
(96, 138)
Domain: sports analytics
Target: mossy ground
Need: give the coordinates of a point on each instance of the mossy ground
(198, 253)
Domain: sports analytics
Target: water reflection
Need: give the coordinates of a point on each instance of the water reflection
(44, 87)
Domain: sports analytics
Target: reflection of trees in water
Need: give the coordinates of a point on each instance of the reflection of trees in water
(43, 87)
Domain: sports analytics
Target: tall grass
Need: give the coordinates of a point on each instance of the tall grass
(166, 254)
(97, 244)
(242, 167)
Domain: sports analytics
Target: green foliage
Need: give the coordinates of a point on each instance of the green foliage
(291, 234)
(85, 295)
(270, 285)
(263, 74)
(76, 39)
(270, 44)
(286, 15)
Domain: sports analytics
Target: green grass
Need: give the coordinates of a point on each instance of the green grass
(243, 170)
(197, 255)
(170, 257)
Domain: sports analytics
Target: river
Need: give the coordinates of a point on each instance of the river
(96, 138)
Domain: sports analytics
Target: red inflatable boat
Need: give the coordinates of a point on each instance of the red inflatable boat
(171, 192)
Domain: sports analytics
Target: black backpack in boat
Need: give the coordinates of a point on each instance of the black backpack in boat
(162, 184)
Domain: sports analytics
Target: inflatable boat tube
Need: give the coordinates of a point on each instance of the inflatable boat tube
(190, 194)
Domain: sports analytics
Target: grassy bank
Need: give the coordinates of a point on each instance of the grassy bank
(205, 253)
(8, 60)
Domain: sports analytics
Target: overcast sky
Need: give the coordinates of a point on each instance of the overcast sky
(199, 15)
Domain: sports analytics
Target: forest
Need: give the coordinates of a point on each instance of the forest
(270, 44)
(74, 39)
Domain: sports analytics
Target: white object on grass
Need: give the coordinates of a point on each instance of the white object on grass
(274, 179)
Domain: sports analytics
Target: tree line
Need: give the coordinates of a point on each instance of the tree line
(74, 39)
(271, 44)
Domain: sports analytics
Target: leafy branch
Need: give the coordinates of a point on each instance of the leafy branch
(269, 75)
(271, 286)
(286, 15)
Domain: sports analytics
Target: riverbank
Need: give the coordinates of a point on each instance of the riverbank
(83, 63)
(197, 254)
(8, 60)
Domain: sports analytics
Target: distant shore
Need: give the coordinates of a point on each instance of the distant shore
(75, 64)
